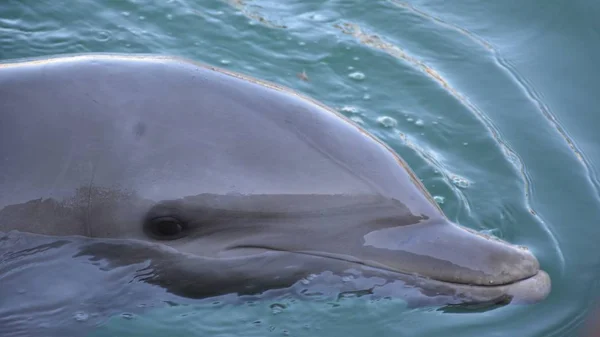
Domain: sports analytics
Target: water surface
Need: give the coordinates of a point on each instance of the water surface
(493, 105)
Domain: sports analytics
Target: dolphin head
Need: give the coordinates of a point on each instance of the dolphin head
(229, 184)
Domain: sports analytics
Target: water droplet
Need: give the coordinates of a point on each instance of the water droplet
(81, 316)
(387, 121)
(127, 315)
(439, 199)
(419, 122)
(357, 75)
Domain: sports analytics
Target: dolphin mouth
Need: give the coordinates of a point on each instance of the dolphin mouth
(530, 289)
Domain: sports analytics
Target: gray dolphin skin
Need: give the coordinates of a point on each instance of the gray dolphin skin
(228, 185)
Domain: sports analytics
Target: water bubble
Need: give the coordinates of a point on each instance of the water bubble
(350, 109)
(357, 75)
(141, 17)
(81, 316)
(460, 182)
(277, 308)
(491, 232)
(439, 199)
(465, 144)
(318, 17)
(356, 58)
(387, 121)
(225, 61)
(102, 36)
(350, 68)
(357, 119)
(419, 122)
(410, 120)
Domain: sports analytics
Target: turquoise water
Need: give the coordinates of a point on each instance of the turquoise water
(491, 103)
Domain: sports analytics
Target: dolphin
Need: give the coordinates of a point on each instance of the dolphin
(225, 184)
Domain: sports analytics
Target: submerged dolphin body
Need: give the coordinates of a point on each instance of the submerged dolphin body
(228, 185)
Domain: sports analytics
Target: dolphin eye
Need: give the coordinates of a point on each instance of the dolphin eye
(165, 228)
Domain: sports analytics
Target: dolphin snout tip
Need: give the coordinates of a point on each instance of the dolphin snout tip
(531, 290)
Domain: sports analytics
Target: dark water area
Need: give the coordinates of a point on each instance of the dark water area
(494, 105)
